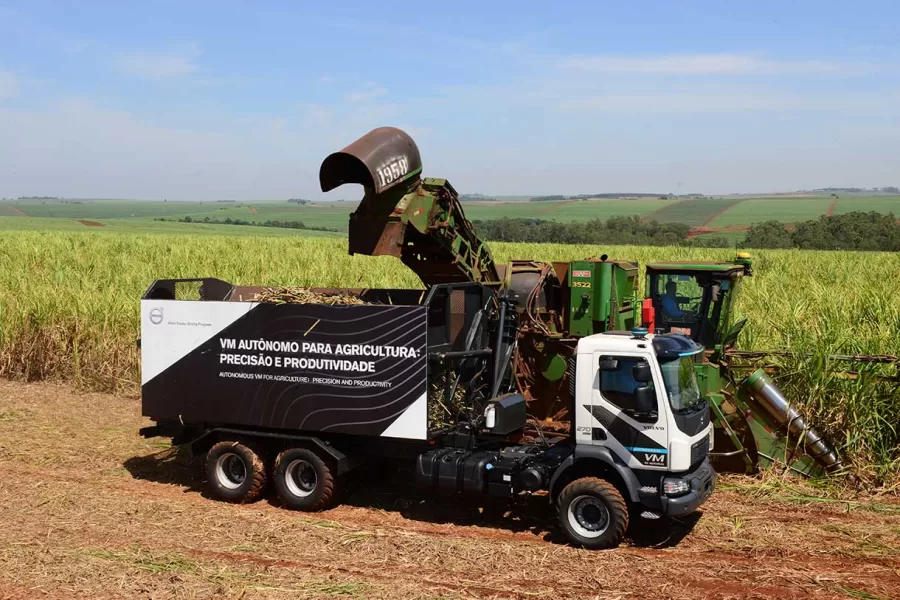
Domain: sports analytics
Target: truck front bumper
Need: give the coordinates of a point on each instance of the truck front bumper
(702, 481)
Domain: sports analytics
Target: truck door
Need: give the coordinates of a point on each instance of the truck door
(640, 439)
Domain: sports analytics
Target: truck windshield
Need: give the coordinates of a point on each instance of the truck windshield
(680, 379)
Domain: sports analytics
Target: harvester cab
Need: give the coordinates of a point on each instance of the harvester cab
(696, 300)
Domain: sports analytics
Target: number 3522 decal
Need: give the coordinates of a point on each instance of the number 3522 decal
(393, 171)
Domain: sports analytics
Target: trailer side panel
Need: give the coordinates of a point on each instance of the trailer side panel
(302, 367)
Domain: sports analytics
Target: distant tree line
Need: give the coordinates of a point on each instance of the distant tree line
(298, 201)
(230, 221)
(38, 198)
(615, 230)
(849, 231)
(890, 189)
(477, 197)
(557, 197)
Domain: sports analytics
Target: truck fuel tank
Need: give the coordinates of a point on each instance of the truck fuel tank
(500, 473)
(454, 470)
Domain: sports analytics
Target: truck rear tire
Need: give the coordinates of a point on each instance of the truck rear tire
(593, 513)
(303, 480)
(235, 472)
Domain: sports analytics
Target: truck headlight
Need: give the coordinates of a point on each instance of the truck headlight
(675, 487)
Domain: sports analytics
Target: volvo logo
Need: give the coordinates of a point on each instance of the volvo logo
(156, 315)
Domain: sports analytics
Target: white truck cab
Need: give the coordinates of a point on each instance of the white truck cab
(638, 395)
(638, 407)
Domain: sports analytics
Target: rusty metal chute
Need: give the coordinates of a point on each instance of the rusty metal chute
(420, 221)
(380, 160)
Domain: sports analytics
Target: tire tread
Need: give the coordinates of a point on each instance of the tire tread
(326, 496)
(257, 469)
(617, 506)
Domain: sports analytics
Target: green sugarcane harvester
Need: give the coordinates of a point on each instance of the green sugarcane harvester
(422, 222)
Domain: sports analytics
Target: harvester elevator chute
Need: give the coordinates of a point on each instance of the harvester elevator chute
(420, 221)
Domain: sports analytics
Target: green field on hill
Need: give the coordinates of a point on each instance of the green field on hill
(792, 209)
(106, 209)
(333, 215)
(138, 215)
(786, 210)
(599, 208)
(141, 225)
(693, 212)
(879, 204)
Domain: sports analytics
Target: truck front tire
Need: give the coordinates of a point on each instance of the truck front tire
(593, 513)
(235, 472)
(303, 480)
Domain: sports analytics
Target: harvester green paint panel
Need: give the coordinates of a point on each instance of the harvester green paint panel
(602, 296)
(554, 367)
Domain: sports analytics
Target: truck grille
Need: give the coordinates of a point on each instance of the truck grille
(699, 450)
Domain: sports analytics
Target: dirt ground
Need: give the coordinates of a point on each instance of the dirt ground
(91, 510)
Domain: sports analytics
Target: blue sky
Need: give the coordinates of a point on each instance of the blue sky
(203, 100)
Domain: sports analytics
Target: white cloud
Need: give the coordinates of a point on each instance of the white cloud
(159, 65)
(9, 84)
(278, 126)
(697, 64)
(414, 132)
(317, 116)
(690, 102)
(77, 148)
(725, 99)
(370, 91)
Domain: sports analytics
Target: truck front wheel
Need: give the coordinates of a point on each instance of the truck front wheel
(235, 472)
(593, 513)
(303, 480)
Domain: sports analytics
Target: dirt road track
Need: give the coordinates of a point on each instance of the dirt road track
(90, 510)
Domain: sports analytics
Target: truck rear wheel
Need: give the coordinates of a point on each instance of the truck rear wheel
(303, 480)
(593, 513)
(235, 472)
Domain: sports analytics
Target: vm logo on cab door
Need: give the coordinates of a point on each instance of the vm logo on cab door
(652, 457)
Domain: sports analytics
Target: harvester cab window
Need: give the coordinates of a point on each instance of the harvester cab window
(681, 296)
(692, 304)
(618, 385)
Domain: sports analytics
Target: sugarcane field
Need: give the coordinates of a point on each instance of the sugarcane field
(562, 317)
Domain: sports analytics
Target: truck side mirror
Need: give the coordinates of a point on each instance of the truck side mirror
(609, 364)
(641, 372)
(645, 400)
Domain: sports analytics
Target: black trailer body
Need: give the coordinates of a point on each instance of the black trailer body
(209, 358)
